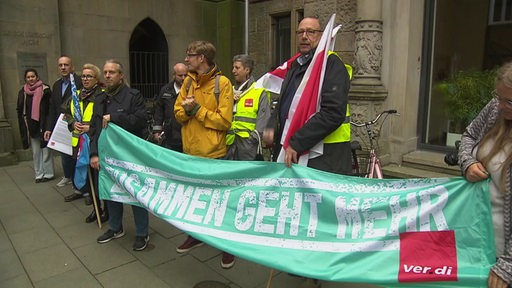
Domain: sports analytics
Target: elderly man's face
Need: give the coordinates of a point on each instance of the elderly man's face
(309, 33)
(65, 66)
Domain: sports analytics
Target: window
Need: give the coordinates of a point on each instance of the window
(447, 50)
(500, 12)
(281, 30)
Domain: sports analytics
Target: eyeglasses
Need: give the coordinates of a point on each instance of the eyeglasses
(309, 33)
(507, 102)
(192, 54)
(87, 77)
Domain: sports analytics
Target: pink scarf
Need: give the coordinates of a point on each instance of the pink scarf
(37, 91)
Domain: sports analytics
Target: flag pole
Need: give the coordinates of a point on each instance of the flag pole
(270, 278)
(94, 201)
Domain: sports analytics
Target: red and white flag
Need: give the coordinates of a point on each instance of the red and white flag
(306, 101)
(272, 81)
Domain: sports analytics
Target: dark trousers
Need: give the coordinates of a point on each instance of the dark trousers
(68, 165)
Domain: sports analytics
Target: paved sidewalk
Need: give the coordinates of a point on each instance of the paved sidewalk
(45, 242)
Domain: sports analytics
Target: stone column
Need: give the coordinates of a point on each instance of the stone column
(367, 83)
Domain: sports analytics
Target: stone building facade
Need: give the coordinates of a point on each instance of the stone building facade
(388, 43)
(36, 33)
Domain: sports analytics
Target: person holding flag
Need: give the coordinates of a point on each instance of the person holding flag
(311, 124)
(78, 116)
(312, 118)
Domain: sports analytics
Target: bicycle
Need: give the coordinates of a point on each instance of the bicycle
(373, 169)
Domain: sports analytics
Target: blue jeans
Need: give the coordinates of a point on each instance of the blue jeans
(115, 220)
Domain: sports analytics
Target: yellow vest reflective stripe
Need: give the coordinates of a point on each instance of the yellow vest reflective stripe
(342, 133)
(244, 121)
(86, 119)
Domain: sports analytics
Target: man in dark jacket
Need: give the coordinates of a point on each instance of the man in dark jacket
(330, 124)
(125, 107)
(61, 92)
(165, 127)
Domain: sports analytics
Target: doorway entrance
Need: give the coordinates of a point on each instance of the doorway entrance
(149, 60)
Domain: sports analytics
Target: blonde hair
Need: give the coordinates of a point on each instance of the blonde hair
(500, 133)
(94, 68)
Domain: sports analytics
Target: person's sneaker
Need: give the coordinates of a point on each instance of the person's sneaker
(227, 261)
(73, 196)
(188, 245)
(64, 181)
(109, 236)
(141, 242)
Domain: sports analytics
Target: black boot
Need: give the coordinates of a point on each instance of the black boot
(92, 217)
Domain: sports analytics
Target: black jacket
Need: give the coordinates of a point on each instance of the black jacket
(164, 119)
(57, 100)
(332, 113)
(28, 126)
(127, 110)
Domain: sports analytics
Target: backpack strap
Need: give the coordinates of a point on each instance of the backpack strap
(216, 90)
(188, 85)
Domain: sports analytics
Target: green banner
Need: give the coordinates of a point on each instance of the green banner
(407, 232)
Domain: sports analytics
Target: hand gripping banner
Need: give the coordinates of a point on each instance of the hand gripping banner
(402, 233)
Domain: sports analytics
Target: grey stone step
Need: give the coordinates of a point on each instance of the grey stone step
(396, 171)
(429, 161)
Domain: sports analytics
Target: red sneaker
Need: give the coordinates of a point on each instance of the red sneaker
(188, 245)
(228, 260)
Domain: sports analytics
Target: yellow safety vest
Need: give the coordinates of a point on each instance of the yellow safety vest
(86, 119)
(342, 133)
(244, 121)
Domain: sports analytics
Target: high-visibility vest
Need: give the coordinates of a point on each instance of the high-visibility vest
(86, 119)
(244, 120)
(342, 133)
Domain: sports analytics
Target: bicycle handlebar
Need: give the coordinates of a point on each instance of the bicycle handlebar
(371, 122)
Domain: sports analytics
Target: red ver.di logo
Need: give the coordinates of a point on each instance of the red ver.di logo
(428, 256)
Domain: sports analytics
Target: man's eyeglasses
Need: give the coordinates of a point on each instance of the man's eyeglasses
(87, 77)
(507, 102)
(192, 54)
(309, 33)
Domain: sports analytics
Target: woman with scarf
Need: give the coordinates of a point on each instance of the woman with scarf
(80, 124)
(32, 107)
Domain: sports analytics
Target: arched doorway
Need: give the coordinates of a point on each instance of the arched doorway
(149, 60)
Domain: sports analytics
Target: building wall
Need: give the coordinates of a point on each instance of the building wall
(96, 30)
(401, 73)
(93, 31)
(29, 37)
